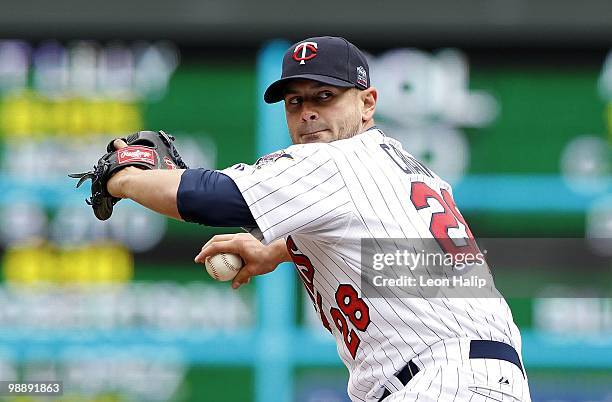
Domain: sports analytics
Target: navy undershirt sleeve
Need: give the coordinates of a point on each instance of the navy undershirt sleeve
(211, 198)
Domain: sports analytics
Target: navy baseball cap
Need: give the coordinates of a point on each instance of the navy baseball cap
(327, 59)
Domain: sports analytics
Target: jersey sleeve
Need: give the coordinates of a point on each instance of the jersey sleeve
(209, 197)
(295, 191)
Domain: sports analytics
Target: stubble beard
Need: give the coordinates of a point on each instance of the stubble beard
(350, 128)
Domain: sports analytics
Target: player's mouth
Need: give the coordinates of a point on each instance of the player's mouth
(313, 136)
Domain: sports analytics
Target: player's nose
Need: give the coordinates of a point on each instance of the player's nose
(309, 115)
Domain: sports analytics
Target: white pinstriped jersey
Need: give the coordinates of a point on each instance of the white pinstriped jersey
(324, 198)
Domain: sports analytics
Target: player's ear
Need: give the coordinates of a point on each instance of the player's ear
(368, 100)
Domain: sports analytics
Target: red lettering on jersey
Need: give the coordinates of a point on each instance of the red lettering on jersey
(350, 305)
(321, 313)
(303, 266)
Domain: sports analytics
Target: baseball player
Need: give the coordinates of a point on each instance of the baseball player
(313, 203)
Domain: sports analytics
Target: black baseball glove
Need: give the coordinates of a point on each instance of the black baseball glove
(145, 150)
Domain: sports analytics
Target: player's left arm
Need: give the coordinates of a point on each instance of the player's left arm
(195, 195)
(154, 189)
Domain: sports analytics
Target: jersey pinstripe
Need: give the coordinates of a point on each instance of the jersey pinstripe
(324, 198)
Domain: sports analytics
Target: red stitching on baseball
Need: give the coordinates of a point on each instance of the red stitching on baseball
(226, 262)
(212, 267)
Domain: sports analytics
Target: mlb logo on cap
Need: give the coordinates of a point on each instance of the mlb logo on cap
(327, 59)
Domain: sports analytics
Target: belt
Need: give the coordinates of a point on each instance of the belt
(404, 375)
(479, 349)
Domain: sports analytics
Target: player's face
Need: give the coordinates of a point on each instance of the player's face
(317, 112)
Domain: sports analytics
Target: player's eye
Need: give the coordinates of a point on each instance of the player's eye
(324, 95)
(294, 100)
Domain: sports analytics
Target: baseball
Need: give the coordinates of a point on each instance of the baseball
(223, 266)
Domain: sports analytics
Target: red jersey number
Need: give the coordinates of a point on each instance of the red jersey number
(350, 305)
(353, 307)
(441, 222)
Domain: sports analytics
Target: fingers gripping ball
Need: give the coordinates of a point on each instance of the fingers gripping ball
(223, 266)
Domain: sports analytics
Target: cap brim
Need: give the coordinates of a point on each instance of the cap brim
(276, 91)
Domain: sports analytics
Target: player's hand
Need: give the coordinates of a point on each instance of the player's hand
(114, 184)
(258, 258)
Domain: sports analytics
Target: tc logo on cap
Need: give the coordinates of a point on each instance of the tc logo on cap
(301, 51)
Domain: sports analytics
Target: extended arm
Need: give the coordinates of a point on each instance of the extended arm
(154, 189)
(195, 195)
